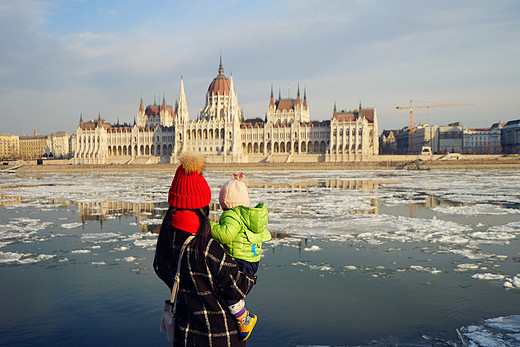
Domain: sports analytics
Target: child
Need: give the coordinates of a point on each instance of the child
(241, 230)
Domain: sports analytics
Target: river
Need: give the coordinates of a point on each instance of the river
(358, 257)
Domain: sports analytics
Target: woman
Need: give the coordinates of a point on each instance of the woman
(208, 276)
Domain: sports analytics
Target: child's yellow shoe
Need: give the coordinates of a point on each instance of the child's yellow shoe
(245, 327)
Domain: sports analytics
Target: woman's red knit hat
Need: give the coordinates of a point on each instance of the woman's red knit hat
(189, 189)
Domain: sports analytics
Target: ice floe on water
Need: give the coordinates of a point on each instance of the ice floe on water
(80, 251)
(501, 331)
(71, 225)
(467, 267)
(100, 237)
(320, 267)
(148, 244)
(22, 229)
(420, 268)
(513, 282)
(477, 209)
(385, 228)
(23, 258)
(488, 276)
(155, 221)
(313, 248)
(9, 257)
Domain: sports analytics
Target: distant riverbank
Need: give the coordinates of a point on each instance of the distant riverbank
(388, 163)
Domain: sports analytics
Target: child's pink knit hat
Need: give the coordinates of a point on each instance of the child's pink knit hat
(234, 193)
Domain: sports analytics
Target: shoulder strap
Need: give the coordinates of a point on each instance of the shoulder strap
(175, 287)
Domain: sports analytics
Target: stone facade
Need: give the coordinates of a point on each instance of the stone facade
(60, 145)
(161, 133)
(483, 140)
(511, 137)
(9, 146)
(32, 147)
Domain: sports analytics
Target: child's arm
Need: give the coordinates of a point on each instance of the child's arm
(228, 228)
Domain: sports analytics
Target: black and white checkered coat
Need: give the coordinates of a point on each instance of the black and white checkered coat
(202, 317)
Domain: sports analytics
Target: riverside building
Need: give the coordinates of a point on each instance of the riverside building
(287, 134)
(9, 146)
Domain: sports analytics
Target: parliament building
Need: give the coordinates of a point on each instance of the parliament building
(160, 133)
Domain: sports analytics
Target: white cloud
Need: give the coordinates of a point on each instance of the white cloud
(380, 54)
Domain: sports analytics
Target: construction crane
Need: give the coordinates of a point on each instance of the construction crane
(411, 107)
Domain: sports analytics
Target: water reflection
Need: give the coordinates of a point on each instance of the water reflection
(9, 200)
(149, 215)
(331, 183)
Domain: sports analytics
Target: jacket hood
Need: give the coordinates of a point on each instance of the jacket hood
(254, 218)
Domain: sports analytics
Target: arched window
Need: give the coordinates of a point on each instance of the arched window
(316, 147)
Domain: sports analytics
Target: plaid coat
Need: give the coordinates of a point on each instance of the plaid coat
(202, 317)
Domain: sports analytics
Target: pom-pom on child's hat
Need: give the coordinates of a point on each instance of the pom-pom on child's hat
(234, 193)
(189, 189)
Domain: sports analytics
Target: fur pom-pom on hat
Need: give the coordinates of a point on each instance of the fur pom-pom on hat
(189, 189)
(192, 162)
(234, 193)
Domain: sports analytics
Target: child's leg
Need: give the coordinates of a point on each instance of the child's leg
(237, 309)
(247, 267)
(246, 321)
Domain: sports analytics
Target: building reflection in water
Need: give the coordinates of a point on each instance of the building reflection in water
(9, 200)
(148, 216)
(303, 187)
(431, 201)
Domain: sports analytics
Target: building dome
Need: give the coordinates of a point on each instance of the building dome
(220, 84)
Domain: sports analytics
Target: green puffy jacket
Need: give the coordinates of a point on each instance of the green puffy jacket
(242, 230)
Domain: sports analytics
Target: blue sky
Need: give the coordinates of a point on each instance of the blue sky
(62, 58)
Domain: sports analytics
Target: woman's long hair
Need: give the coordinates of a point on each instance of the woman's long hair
(165, 261)
(203, 233)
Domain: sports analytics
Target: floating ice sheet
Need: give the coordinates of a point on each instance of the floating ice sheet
(501, 331)
(477, 209)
